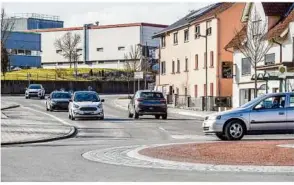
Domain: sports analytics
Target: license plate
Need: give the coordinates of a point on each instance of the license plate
(88, 112)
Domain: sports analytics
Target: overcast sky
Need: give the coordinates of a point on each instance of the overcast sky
(77, 14)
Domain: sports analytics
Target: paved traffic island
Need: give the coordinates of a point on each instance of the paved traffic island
(262, 153)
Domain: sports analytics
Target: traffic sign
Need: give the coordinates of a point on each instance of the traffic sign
(139, 75)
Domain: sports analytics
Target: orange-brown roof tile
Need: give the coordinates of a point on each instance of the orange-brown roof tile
(239, 36)
(100, 27)
(281, 26)
(276, 8)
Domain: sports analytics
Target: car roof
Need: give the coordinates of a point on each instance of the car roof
(35, 84)
(61, 92)
(148, 91)
(92, 92)
(279, 93)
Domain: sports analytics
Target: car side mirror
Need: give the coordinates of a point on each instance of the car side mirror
(102, 100)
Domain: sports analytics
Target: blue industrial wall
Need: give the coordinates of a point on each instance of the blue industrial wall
(25, 61)
(43, 24)
(24, 41)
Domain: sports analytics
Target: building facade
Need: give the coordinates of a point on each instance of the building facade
(183, 52)
(24, 48)
(279, 21)
(101, 46)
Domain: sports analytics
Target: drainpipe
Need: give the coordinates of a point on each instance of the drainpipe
(281, 59)
(218, 62)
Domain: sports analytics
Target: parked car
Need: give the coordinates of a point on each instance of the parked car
(147, 102)
(35, 90)
(58, 100)
(85, 104)
(266, 114)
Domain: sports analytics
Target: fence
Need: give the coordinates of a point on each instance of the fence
(200, 102)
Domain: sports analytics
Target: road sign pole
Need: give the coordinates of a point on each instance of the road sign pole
(138, 84)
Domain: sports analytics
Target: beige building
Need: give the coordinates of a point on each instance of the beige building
(182, 52)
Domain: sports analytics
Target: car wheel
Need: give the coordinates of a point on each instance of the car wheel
(50, 108)
(72, 117)
(157, 116)
(221, 136)
(26, 97)
(69, 116)
(234, 130)
(102, 118)
(164, 116)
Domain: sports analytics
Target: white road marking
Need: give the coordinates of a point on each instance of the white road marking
(54, 117)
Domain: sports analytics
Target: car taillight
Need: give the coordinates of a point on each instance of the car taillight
(140, 99)
(162, 101)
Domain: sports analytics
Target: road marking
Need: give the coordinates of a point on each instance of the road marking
(54, 117)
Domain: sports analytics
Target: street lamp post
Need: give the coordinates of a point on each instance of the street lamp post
(206, 78)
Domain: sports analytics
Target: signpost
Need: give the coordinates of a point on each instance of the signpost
(139, 75)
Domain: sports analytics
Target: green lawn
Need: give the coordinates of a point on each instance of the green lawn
(49, 74)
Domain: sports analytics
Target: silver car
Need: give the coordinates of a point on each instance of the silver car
(266, 114)
(35, 90)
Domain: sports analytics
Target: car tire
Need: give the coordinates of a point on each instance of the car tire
(164, 116)
(26, 97)
(102, 118)
(157, 116)
(234, 130)
(69, 116)
(50, 109)
(221, 136)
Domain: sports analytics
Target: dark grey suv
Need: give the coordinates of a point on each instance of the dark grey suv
(147, 102)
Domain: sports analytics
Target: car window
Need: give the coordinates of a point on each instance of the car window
(151, 95)
(292, 101)
(274, 102)
(60, 96)
(82, 97)
(252, 102)
(35, 87)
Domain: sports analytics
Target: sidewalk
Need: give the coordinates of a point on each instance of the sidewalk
(123, 104)
(20, 126)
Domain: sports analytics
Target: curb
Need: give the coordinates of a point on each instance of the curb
(72, 133)
(10, 107)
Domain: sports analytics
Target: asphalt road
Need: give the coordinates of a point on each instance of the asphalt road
(62, 160)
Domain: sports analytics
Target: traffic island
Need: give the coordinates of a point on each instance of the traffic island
(261, 153)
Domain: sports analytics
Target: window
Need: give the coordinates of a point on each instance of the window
(205, 92)
(121, 48)
(196, 61)
(246, 66)
(21, 52)
(275, 90)
(186, 35)
(186, 65)
(291, 101)
(176, 38)
(178, 66)
(256, 28)
(196, 91)
(205, 60)
(211, 89)
(269, 59)
(58, 51)
(173, 67)
(163, 68)
(100, 49)
(211, 58)
(28, 52)
(209, 29)
(100, 62)
(197, 31)
(13, 51)
(274, 102)
(163, 41)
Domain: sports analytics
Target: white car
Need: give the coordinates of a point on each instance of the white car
(85, 104)
(35, 90)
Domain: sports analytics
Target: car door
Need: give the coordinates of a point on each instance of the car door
(268, 115)
(290, 112)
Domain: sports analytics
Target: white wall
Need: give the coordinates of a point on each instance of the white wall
(110, 39)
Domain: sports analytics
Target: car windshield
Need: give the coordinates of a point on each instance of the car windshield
(151, 95)
(81, 97)
(61, 96)
(35, 87)
(255, 100)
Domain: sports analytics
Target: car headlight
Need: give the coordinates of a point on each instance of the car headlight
(99, 106)
(215, 117)
(76, 106)
(53, 102)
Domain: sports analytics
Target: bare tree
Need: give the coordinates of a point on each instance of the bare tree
(7, 26)
(68, 45)
(252, 43)
(132, 61)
